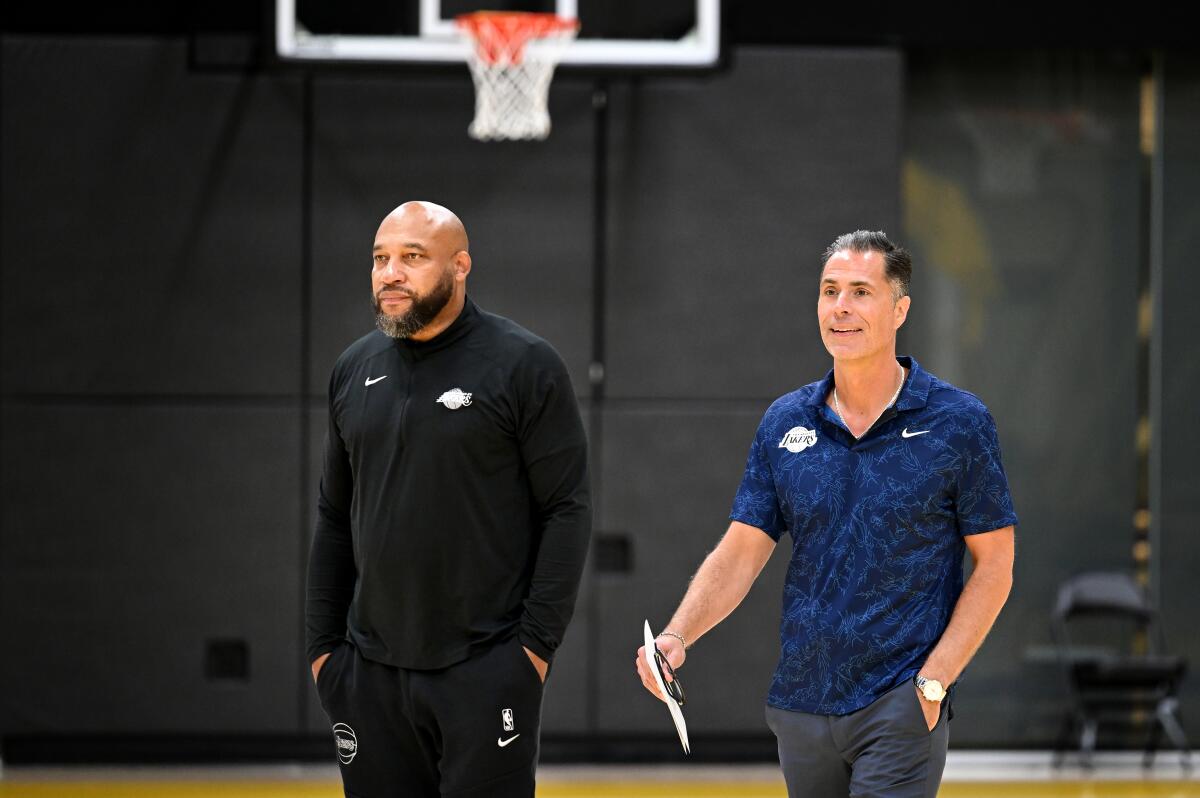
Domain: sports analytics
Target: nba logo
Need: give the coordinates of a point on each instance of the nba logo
(506, 716)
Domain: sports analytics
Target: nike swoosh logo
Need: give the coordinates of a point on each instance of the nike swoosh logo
(907, 434)
(503, 743)
(371, 382)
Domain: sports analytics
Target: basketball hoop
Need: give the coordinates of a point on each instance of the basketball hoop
(512, 80)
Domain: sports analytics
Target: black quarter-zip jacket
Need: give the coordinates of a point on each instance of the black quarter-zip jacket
(445, 523)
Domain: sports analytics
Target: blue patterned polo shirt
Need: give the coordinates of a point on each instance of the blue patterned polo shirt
(877, 532)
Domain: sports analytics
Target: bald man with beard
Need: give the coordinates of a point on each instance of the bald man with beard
(452, 526)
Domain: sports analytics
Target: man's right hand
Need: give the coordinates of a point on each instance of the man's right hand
(672, 649)
(319, 663)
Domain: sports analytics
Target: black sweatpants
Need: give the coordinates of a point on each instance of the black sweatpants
(468, 730)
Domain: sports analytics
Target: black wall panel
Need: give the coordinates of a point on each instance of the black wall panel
(133, 538)
(150, 222)
(1021, 187)
(149, 565)
(671, 471)
(526, 206)
(725, 192)
(1178, 550)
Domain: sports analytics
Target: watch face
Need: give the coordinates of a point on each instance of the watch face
(932, 690)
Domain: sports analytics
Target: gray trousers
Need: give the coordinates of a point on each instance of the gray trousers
(883, 749)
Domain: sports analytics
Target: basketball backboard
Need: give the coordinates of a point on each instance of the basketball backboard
(664, 34)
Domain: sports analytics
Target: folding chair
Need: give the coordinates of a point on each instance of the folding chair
(1118, 671)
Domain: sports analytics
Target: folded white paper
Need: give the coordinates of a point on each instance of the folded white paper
(672, 704)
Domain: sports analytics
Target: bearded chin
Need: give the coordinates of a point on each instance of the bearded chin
(421, 311)
(398, 326)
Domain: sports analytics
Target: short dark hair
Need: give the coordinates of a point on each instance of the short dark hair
(897, 263)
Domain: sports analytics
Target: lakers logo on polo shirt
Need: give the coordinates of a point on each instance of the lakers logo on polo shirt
(797, 439)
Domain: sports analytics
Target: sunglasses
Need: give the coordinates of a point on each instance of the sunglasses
(673, 686)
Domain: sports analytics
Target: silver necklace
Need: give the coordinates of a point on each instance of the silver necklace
(838, 407)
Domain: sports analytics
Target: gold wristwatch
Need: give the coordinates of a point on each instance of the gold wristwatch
(930, 688)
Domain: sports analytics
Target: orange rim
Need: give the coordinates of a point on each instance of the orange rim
(505, 33)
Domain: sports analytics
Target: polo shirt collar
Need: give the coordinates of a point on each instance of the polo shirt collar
(914, 394)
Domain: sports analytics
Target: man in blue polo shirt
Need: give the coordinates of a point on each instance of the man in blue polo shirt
(884, 476)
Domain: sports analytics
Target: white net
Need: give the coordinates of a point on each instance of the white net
(512, 64)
